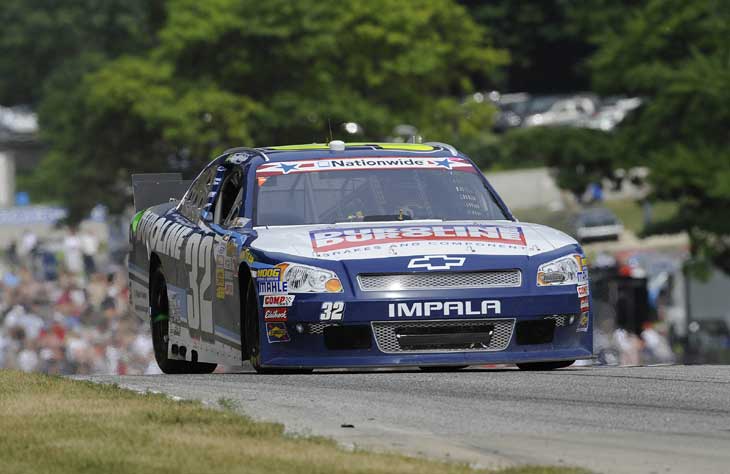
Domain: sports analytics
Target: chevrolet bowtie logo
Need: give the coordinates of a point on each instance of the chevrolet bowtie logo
(436, 262)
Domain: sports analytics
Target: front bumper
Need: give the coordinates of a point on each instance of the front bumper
(305, 343)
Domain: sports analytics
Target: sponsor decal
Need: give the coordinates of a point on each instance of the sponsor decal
(582, 323)
(332, 311)
(276, 332)
(584, 304)
(275, 314)
(582, 290)
(162, 235)
(269, 281)
(247, 256)
(337, 239)
(375, 163)
(278, 300)
(271, 286)
(436, 262)
(220, 283)
(444, 308)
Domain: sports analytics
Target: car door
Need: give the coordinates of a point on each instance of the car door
(223, 219)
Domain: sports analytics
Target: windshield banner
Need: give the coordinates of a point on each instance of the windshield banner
(377, 163)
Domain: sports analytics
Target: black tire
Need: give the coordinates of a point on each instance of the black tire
(159, 324)
(252, 337)
(445, 368)
(561, 364)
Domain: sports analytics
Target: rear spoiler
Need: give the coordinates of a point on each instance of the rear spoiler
(157, 188)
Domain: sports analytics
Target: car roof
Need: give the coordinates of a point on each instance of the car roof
(357, 149)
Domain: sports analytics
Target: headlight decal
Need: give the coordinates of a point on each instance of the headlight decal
(289, 277)
(568, 270)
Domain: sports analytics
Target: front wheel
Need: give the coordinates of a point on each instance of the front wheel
(561, 364)
(159, 323)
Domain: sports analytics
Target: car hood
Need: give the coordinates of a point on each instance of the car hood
(398, 239)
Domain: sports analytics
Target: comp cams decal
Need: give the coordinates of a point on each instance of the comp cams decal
(338, 239)
(444, 308)
(278, 300)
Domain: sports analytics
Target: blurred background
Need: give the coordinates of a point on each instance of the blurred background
(608, 119)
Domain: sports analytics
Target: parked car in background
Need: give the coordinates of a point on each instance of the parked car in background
(611, 112)
(597, 223)
(559, 110)
(512, 109)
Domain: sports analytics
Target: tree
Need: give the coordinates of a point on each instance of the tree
(677, 55)
(244, 72)
(40, 36)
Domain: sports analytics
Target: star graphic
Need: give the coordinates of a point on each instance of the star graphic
(286, 168)
(445, 163)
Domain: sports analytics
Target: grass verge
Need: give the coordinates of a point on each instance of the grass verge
(56, 425)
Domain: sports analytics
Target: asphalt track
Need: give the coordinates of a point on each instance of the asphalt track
(610, 420)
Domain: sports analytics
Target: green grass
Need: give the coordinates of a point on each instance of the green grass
(56, 425)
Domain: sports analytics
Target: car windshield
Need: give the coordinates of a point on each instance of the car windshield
(328, 191)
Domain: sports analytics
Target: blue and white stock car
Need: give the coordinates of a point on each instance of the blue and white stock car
(351, 255)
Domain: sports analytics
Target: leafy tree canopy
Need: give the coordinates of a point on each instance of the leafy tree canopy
(676, 54)
(245, 72)
(40, 36)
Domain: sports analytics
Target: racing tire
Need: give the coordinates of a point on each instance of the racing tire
(159, 325)
(445, 368)
(252, 337)
(537, 366)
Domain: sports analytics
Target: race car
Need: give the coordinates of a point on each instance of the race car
(350, 255)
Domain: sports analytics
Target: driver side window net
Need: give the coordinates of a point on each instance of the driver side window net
(195, 199)
(229, 199)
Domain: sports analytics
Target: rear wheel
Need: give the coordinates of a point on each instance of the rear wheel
(561, 364)
(252, 337)
(159, 323)
(446, 368)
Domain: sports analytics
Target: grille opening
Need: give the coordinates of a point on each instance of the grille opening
(535, 332)
(439, 280)
(444, 337)
(469, 335)
(338, 338)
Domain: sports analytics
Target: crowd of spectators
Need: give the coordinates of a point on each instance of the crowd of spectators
(63, 313)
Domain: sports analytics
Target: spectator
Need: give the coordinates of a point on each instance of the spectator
(59, 326)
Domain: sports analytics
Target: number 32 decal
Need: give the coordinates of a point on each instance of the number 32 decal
(332, 311)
